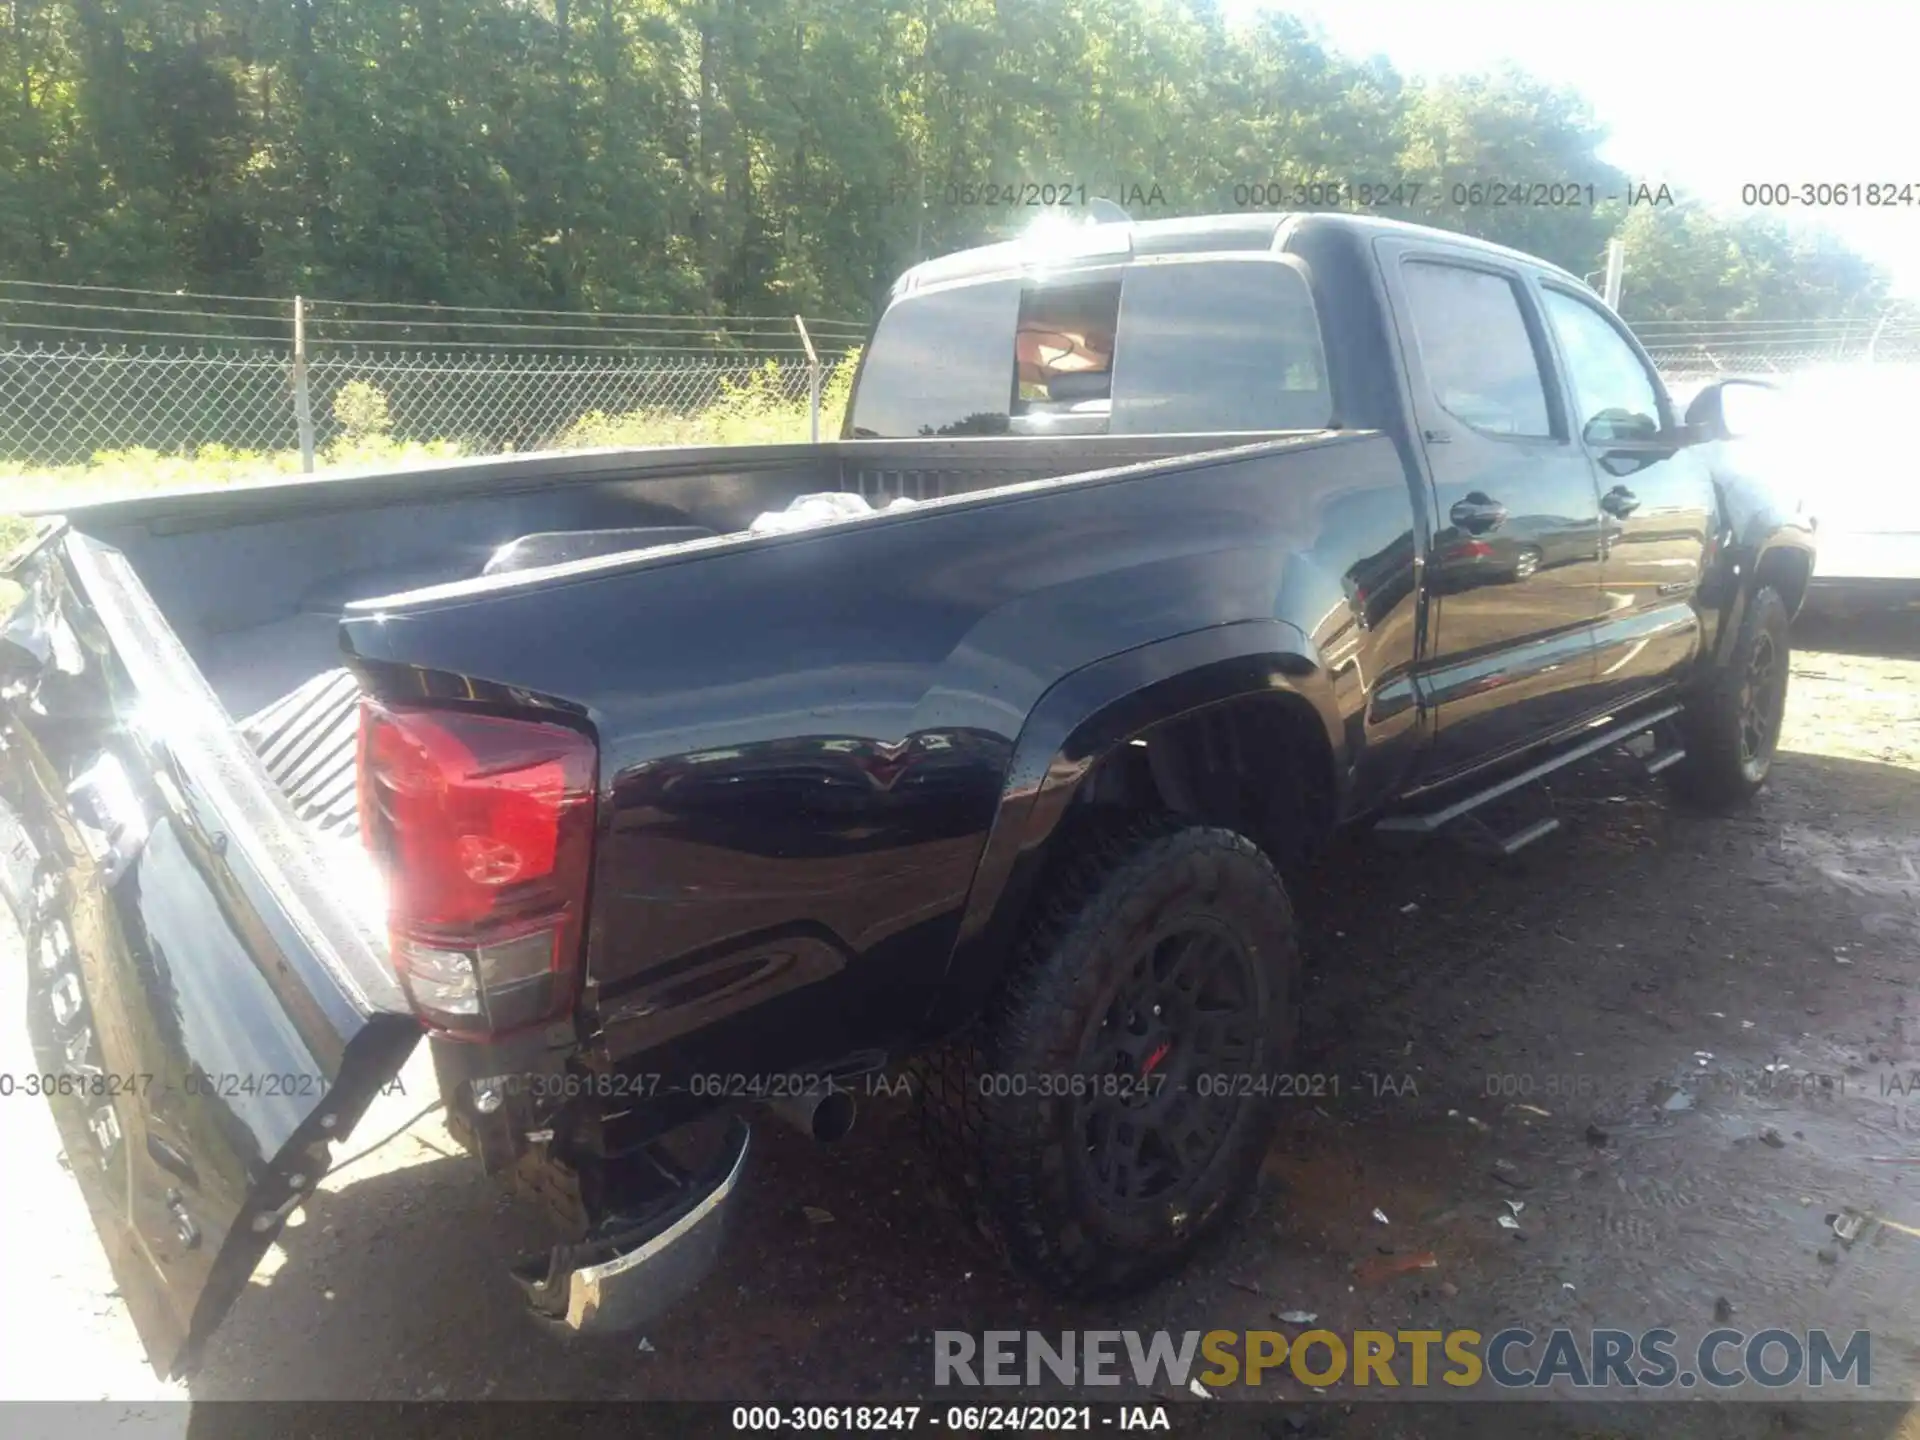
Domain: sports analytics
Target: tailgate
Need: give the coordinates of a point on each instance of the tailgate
(205, 1018)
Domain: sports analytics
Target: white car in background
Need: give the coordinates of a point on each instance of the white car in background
(1827, 438)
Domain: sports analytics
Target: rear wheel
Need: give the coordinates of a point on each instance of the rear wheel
(1527, 563)
(1732, 728)
(1114, 1105)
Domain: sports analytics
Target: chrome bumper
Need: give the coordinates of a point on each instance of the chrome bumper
(625, 1280)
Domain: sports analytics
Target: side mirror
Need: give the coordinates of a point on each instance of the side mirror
(1731, 409)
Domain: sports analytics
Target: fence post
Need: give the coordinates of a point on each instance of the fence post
(1616, 266)
(813, 381)
(1873, 345)
(302, 405)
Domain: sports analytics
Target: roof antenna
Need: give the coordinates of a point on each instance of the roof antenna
(1102, 211)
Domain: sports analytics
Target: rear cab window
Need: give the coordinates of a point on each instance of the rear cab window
(938, 364)
(1168, 345)
(1218, 345)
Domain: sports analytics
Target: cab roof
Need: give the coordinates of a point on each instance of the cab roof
(1118, 241)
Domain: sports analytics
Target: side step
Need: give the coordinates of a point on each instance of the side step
(1475, 834)
(1665, 760)
(1462, 809)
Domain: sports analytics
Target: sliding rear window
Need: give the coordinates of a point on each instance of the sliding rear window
(1179, 346)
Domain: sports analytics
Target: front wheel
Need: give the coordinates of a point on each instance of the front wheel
(1118, 1102)
(1732, 728)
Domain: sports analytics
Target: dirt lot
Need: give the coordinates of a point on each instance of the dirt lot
(1678, 1042)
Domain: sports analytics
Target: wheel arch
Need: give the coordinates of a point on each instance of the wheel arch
(1188, 701)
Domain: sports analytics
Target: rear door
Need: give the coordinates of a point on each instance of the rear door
(1514, 569)
(1656, 498)
(205, 1017)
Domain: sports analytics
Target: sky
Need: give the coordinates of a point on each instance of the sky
(1700, 93)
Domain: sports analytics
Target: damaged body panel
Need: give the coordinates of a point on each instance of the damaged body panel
(205, 1019)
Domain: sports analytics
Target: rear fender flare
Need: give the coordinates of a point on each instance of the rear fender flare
(1080, 719)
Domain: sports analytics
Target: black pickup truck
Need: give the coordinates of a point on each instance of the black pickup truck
(652, 814)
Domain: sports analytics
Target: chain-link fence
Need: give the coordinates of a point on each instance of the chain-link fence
(90, 374)
(1686, 352)
(65, 404)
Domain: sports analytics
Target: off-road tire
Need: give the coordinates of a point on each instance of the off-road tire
(1731, 727)
(1132, 910)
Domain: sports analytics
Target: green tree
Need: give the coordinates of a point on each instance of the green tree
(749, 156)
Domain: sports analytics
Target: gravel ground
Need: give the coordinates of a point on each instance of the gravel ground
(1586, 1030)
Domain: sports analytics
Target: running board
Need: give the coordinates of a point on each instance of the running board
(1520, 839)
(1434, 820)
(1665, 760)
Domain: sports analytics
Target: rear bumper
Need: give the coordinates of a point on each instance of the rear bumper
(640, 1262)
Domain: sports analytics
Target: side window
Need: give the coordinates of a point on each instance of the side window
(1614, 396)
(1474, 345)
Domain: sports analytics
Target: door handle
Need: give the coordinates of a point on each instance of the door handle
(1476, 516)
(1619, 502)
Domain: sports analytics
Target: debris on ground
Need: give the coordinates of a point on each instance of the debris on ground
(1252, 1287)
(1381, 1216)
(1197, 1388)
(1771, 1136)
(1296, 1317)
(816, 1216)
(1507, 1222)
(1723, 1309)
(1597, 1137)
(1846, 1225)
(646, 1346)
(1377, 1268)
(1508, 1173)
(1516, 1206)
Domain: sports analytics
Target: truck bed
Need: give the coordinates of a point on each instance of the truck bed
(253, 581)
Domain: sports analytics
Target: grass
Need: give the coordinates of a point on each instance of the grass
(755, 411)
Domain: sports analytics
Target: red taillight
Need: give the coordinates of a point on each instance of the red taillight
(483, 826)
(1470, 550)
